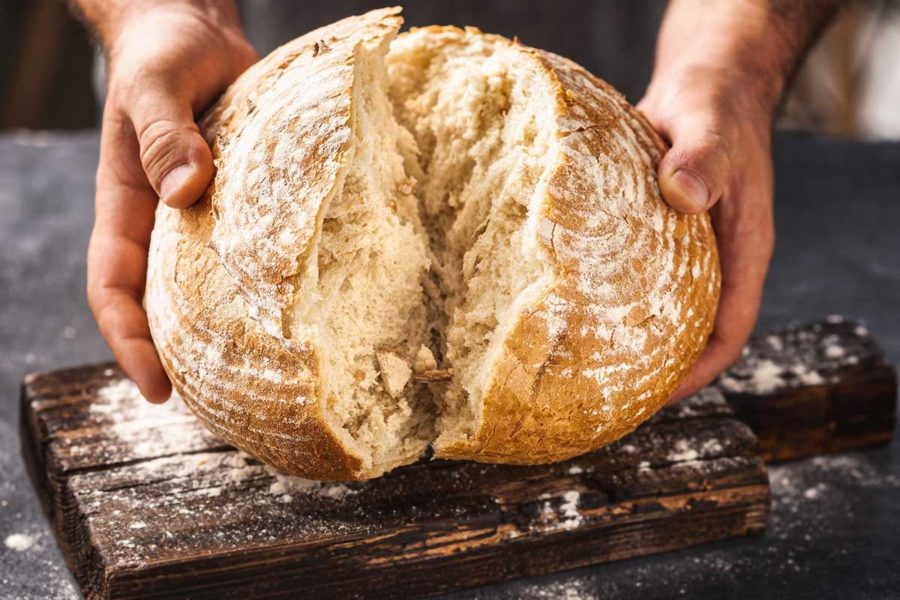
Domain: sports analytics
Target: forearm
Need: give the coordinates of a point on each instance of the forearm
(107, 18)
(755, 44)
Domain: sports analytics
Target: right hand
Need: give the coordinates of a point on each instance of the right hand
(720, 161)
(166, 64)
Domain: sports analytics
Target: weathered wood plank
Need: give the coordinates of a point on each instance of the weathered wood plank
(814, 389)
(147, 504)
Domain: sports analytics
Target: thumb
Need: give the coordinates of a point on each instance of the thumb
(694, 173)
(175, 157)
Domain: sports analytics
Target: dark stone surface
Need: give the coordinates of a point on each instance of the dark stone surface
(835, 526)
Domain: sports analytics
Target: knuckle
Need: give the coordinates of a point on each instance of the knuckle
(709, 153)
(130, 78)
(93, 300)
(105, 321)
(162, 145)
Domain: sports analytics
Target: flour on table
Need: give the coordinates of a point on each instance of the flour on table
(567, 589)
(814, 492)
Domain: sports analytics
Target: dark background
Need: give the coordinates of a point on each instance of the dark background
(51, 76)
(46, 57)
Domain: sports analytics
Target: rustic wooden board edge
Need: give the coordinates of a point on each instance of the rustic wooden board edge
(836, 392)
(699, 521)
(696, 521)
(476, 568)
(854, 414)
(50, 492)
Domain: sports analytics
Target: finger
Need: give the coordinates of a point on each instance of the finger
(117, 258)
(693, 175)
(176, 158)
(123, 323)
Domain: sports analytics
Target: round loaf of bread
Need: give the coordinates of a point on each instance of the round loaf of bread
(442, 239)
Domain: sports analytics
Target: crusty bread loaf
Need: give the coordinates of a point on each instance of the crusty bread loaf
(445, 238)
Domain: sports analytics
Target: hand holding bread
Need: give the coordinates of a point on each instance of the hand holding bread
(166, 63)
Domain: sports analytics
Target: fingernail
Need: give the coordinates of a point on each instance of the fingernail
(693, 188)
(173, 180)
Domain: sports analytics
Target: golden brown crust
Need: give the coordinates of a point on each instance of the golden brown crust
(220, 273)
(635, 298)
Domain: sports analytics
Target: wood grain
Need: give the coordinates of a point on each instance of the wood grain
(814, 389)
(147, 504)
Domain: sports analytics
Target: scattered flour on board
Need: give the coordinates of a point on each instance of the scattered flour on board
(807, 377)
(569, 510)
(146, 428)
(19, 542)
(833, 348)
(153, 429)
(683, 451)
(567, 517)
(766, 377)
(286, 486)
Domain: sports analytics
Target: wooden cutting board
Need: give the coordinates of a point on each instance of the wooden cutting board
(146, 503)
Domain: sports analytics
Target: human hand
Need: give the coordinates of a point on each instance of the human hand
(167, 61)
(721, 67)
(720, 160)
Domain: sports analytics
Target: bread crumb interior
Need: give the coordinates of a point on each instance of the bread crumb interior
(428, 241)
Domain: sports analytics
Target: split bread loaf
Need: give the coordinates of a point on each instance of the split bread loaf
(444, 238)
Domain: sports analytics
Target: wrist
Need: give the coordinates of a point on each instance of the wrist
(743, 92)
(110, 20)
(749, 48)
